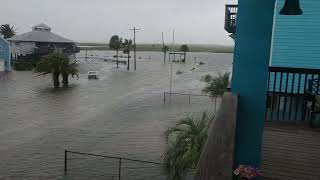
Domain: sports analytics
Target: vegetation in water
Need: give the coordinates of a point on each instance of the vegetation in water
(7, 31)
(206, 78)
(127, 46)
(217, 86)
(158, 47)
(185, 142)
(115, 44)
(57, 64)
(184, 48)
(23, 66)
(179, 72)
(165, 49)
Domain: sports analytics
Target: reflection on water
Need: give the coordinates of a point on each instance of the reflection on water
(121, 114)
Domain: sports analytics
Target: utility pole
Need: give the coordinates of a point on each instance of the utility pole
(134, 46)
(164, 51)
(171, 68)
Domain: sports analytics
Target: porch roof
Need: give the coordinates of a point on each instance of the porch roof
(40, 36)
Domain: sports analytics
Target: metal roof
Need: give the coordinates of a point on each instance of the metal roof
(40, 36)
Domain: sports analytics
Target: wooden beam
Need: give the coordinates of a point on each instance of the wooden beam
(216, 161)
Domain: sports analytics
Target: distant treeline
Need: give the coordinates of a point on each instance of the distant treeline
(158, 47)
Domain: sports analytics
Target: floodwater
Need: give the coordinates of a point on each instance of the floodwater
(120, 114)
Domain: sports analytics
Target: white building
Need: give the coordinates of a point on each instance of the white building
(41, 40)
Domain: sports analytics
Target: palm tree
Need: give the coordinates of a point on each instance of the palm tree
(165, 49)
(67, 70)
(7, 31)
(127, 46)
(184, 48)
(115, 44)
(56, 64)
(217, 86)
(185, 142)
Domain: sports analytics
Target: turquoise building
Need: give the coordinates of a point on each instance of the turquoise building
(296, 39)
(5, 59)
(276, 60)
(271, 118)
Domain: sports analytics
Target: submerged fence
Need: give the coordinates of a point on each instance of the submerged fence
(79, 165)
(165, 94)
(191, 99)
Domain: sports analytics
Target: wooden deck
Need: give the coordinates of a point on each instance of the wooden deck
(291, 152)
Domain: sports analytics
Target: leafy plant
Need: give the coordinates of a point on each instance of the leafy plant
(56, 64)
(7, 31)
(115, 44)
(23, 66)
(184, 48)
(217, 86)
(165, 49)
(127, 46)
(207, 78)
(185, 142)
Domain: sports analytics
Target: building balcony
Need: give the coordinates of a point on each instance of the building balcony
(231, 18)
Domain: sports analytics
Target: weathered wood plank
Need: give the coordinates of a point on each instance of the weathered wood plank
(216, 160)
(291, 153)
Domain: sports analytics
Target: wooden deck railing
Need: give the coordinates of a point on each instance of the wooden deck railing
(286, 92)
(216, 160)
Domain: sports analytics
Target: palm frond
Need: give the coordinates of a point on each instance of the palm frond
(217, 86)
(184, 145)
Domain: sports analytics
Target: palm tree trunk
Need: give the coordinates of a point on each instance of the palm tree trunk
(55, 79)
(117, 58)
(128, 65)
(65, 80)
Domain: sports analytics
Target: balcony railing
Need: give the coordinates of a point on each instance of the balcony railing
(231, 18)
(48, 50)
(287, 91)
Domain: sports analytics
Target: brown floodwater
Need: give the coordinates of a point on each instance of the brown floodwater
(120, 114)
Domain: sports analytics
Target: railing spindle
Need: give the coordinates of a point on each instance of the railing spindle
(285, 96)
(279, 99)
(291, 95)
(298, 99)
(273, 94)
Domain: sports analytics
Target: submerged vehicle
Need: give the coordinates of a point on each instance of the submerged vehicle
(93, 75)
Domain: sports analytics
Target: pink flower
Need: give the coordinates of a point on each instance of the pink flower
(248, 172)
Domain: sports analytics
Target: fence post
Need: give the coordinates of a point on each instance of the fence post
(120, 169)
(189, 99)
(164, 96)
(65, 161)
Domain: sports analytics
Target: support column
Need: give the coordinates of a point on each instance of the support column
(250, 75)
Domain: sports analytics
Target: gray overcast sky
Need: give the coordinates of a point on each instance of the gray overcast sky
(194, 21)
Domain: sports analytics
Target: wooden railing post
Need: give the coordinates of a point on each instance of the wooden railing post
(120, 169)
(216, 160)
(65, 161)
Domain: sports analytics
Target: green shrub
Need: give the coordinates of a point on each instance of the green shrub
(23, 66)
